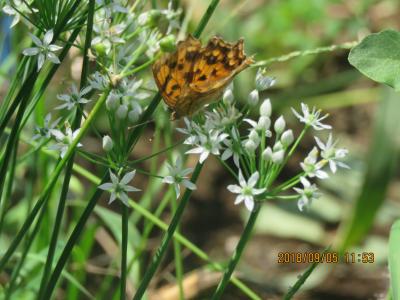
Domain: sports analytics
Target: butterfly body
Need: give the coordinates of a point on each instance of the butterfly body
(194, 76)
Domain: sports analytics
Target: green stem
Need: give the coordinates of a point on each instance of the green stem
(124, 249)
(206, 17)
(150, 271)
(50, 184)
(25, 252)
(70, 163)
(9, 184)
(13, 138)
(238, 252)
(72, 241)
(263, 63)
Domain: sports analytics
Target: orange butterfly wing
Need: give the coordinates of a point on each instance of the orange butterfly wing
(193, 76)
(172, 71)
(218, 63)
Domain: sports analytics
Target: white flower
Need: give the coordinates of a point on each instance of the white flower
(278, 156)
(108, 35)
(227, 97)
(177, 176)
(279, 125)
(332, 154)
(246, 190)
(287, 138)
(152, 41)
(22, 9)
(108, 143)
(47, 128)
(266, 108)
(311, 118)
(221, 117)
(308, 193)
(263, 82)
(311, 167)
(253, 98)
(44, 49)
(122, 112)
(267, 154)
(208, 144)
(111, 7)
(119, 188)
(98, 81)
(192, 130)
(64, 140)
(112, 101)
(263, 124)
(232, 148)
(74, 98)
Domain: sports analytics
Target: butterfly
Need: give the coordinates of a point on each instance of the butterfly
(194, 76)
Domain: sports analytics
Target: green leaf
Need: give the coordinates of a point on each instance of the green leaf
(381, 164)
(378, 57)
(394, 260)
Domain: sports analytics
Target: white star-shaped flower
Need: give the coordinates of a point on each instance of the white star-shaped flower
(178, 176)
(246, 190)
(119, 189)
(332, 154)
(44, 49)
(311, 118)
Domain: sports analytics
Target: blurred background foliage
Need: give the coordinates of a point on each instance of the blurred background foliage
(358, 206)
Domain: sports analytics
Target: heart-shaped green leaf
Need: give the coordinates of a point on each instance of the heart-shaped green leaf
(378, 57)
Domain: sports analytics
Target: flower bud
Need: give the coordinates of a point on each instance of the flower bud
(250, 145)
(100, 48)
(280, 125)
(149, 18)
(227, 97)
(277, 157)
(264, 123)
(107, 143)
(133, 116)
(122, 111)
(263, 82)
(277, 147)
(112, 101)
(168, 43)
(265, 108)
(287, 138)
(253, 98)
(267, 154)
(254, 136)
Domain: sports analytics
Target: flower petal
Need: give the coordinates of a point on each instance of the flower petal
(249, 203)
(233, 188)
(128, 177)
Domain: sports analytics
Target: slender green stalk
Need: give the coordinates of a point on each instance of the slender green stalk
(150, 271)
(238, 252)
(301, 279)
(263, 63)
(178, 257)
(206, 17)
(17, 269)
(153, 220)
(50, 184)
(68, 170)
(9, 184)
(124, 250)
(72, 241)
(13, 138)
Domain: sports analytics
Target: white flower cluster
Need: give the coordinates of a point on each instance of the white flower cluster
(218, 132)
(124, 101)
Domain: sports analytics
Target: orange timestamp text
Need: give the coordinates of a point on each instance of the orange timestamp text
(325, 257)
